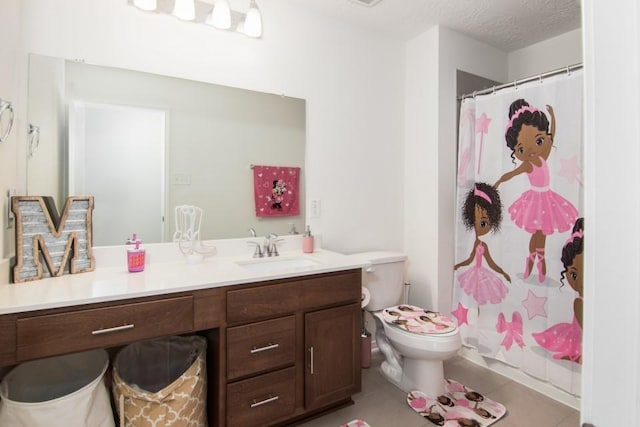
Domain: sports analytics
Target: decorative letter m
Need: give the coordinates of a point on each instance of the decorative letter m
(43, 236)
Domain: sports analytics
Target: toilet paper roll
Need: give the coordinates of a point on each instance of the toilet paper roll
(366, 297)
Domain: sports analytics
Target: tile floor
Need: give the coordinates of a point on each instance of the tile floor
(381, 404)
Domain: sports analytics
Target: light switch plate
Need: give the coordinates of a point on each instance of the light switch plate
(314, 208)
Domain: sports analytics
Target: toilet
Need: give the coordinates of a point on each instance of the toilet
(414, 353)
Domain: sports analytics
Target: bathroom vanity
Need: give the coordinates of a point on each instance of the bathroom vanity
(282, 334)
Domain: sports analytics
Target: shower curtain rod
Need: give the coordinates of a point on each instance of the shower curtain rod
(568, 69)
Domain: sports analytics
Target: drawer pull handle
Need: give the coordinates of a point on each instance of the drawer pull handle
(265, 348)
(114, 329)
(311, 367)
(265, 401)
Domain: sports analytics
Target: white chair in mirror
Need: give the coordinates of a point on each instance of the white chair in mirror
(187, 234)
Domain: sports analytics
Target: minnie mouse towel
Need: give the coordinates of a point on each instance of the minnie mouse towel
(276, 190)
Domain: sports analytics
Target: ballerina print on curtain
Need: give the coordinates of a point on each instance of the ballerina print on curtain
(517, 288)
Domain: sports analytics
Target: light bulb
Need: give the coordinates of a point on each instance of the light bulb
(220, 16)
(146, 4)
(184, 9)
(253, 21)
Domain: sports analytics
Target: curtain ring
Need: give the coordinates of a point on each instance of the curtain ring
(540, 77)
(493, 90)
(568, 70)
(5, 108)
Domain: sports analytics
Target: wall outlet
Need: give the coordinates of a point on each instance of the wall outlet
(314, 208)
(181, 179)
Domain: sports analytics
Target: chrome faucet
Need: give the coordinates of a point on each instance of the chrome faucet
(271, 243)
(258, 252)
(269, 246)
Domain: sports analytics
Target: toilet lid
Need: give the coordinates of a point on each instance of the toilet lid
(417, 320)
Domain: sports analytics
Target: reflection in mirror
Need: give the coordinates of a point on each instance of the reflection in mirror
(143, 144)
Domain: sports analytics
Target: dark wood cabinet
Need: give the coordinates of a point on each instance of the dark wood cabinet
(325, 313)
(259, 336)
(333, 355)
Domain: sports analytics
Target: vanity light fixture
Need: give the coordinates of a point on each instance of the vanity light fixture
(220, 16)
(184, 9)
(148, 5)
(253, 21)
(216, 13)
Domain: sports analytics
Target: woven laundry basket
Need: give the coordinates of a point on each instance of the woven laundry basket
(162, 383)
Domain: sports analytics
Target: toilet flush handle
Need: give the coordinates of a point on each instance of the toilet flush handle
(370, 270)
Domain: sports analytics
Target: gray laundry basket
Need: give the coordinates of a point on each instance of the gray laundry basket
(64, 391)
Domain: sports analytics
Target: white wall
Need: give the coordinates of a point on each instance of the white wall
(352, 82)
(547, 55)
(11, 66)
(611, 375)
(430, 152)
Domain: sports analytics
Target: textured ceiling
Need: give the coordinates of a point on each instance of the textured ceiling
(506, 24)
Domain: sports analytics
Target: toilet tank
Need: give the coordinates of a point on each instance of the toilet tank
(384, 279)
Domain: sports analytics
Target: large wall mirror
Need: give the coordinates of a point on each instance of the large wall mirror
(144, 143)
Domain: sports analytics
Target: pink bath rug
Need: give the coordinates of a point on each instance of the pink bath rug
(459, 406)
(356, 423)
(416, 320)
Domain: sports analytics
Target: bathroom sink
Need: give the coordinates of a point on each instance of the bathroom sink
(272, 265)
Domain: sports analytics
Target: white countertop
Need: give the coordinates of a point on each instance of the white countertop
(166, 272)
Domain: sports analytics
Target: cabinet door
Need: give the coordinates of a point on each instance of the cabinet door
(332, 355)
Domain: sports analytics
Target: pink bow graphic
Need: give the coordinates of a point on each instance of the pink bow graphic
(513, 330)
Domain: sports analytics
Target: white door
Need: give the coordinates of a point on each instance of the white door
(116, 154)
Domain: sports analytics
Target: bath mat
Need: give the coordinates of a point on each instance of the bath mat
(356, 423)
(458, 406)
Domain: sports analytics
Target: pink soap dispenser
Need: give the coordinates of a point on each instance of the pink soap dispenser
(307, 241)
(136, 256)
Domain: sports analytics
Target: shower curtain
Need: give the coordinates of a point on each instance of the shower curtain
(517, 292)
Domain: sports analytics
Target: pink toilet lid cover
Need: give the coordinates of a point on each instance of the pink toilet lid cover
(417, 320)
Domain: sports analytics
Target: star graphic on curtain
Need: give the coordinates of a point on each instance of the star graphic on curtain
(535, 305)
(482, 123)
(461, 314)
(482, 127)
(570, 169)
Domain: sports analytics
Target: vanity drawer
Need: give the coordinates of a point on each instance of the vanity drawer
(339, 288)
(47, 335)
(260, 302)
(261, 400)
(260, 346)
